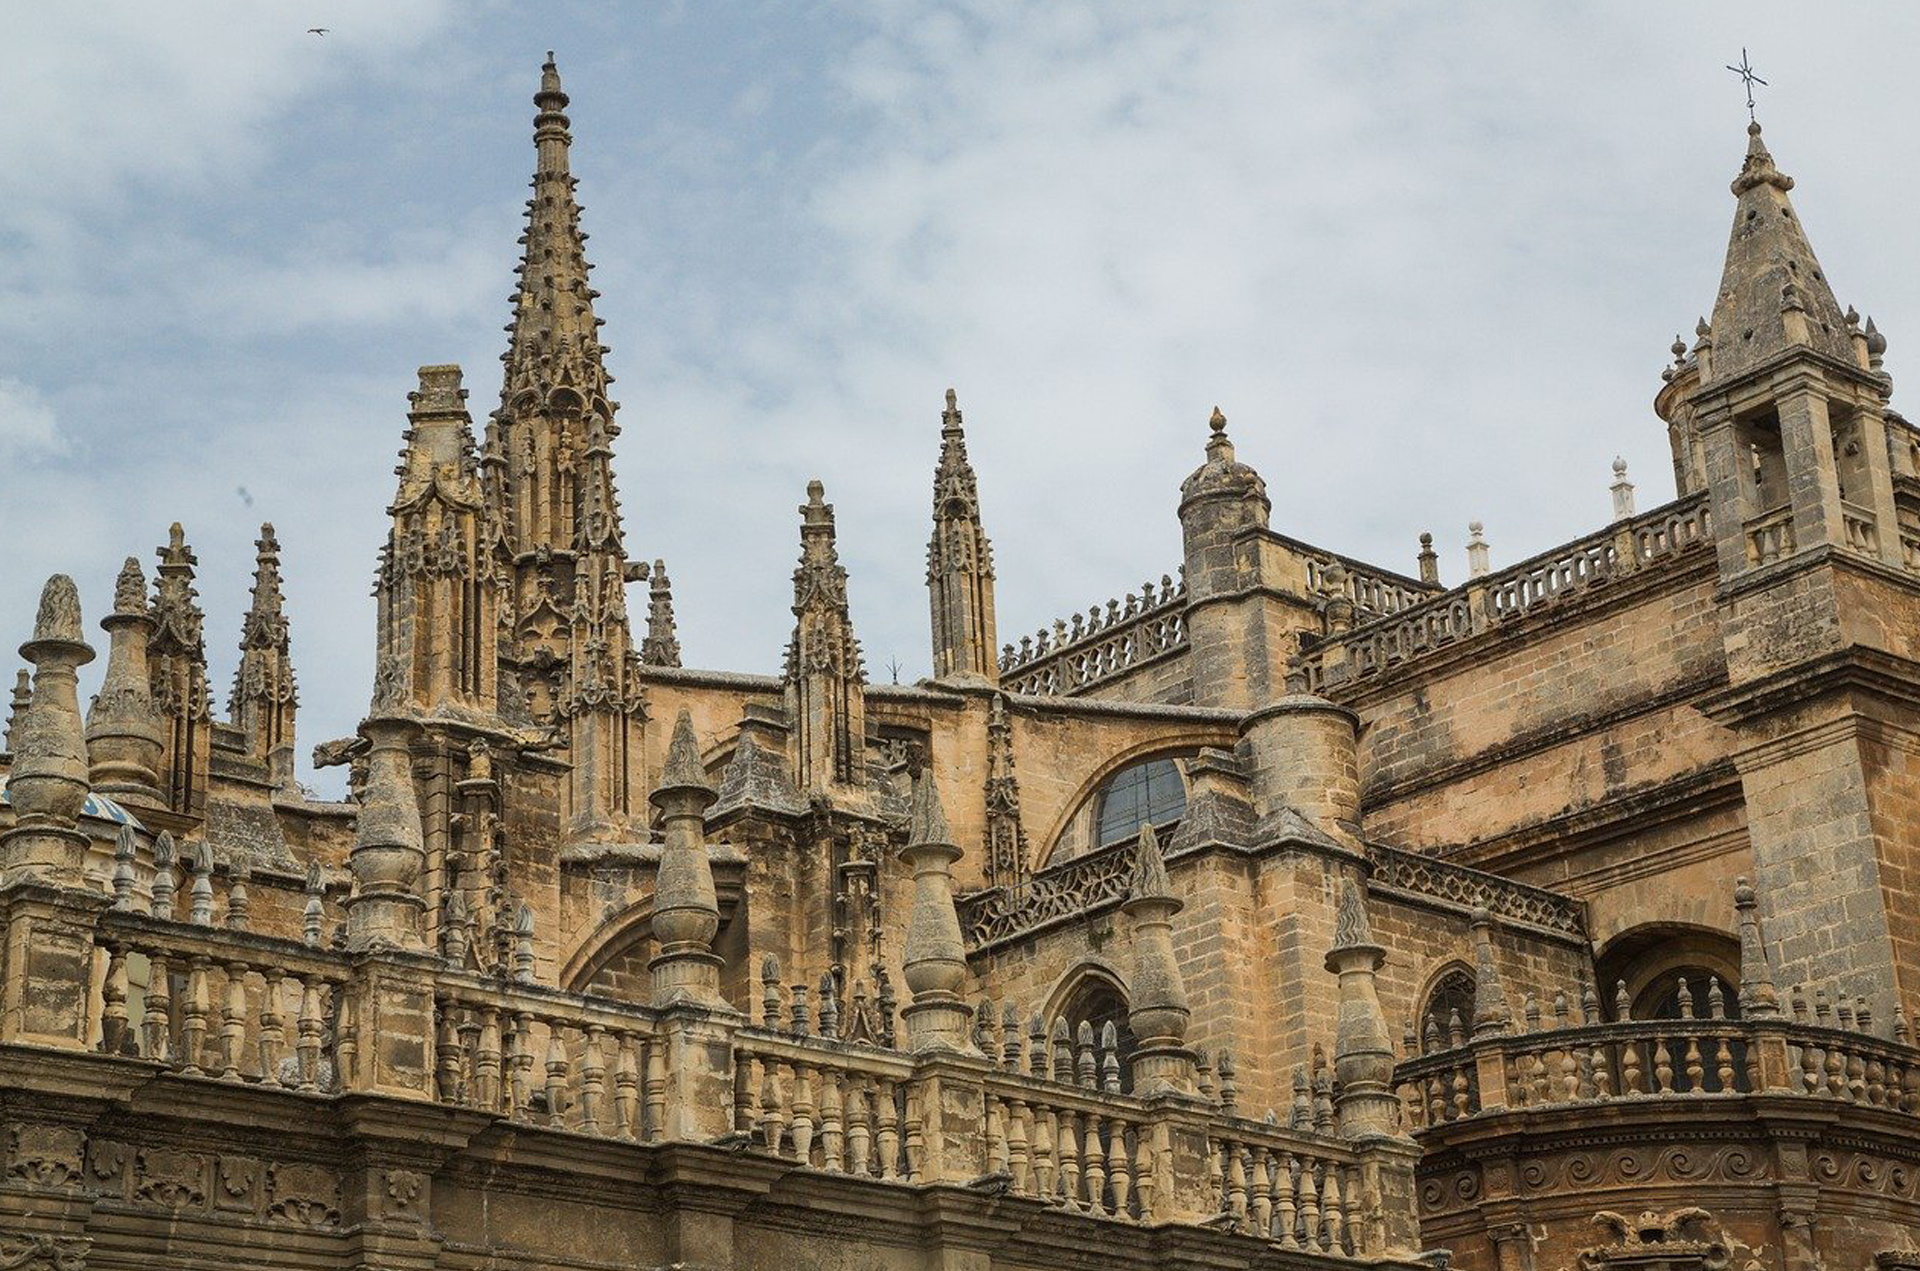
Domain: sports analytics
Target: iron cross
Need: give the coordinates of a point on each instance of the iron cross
(1747, 77)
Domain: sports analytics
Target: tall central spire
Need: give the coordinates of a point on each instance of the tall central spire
(552, 512)
(959, 563)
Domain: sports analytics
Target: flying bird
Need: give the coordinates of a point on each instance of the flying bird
(317, 30)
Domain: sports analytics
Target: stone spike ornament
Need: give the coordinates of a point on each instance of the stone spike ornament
(1363, 1048)
(960, 565)
(123, 729)
(1758, 998)
(1008, 854)
(47, 784)
(934, 958)
(17, 708)
(1158, 1013)
(686, 914)
(385, 909)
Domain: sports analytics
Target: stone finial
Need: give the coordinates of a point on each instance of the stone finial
(1758, 998)
(523, 943)
(1429, 561)
(1363, 1047)
(313, 915)
(1622, 490)
(123, 860)
(934, 957)
(1478, 565)
(47, 784)
(1491, 1015)
(124, 739)
(1159, 1012)
(686, 913)
(165, 856)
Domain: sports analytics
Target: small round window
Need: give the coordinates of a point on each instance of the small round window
(1147, 792)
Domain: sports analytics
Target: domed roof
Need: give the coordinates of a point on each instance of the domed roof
(100, 808)
(1222, 474)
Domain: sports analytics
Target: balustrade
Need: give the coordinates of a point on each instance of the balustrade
(1652, 1059)
(1770, 535)
(215, 1002)
(1649, 540)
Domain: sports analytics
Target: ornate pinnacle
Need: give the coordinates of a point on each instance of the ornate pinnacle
(662, 645)
(683, 769)
(1149, 884)
(130, 590)
(934, 956)
(58, 620)
(1351, 927)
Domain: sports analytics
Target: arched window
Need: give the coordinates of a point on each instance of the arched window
(1096, 1001)
(1662, 999)
(1151, 792)
(1448, 1016)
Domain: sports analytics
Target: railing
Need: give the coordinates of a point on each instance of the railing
(1770, 535)
(1300, 1199)
(1861, 528)
(1648, 541)
(220, 1003)
(1594, 1062)
(1374, 595)
(587, 1064)
(1077, 655)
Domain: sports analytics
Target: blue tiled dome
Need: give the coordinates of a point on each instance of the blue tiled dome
(100, 808)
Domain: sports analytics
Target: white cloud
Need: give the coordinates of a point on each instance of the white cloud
(28, 426)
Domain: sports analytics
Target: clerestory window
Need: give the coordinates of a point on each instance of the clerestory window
(1151, 792)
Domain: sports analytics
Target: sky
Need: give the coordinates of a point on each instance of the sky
(1427, 259)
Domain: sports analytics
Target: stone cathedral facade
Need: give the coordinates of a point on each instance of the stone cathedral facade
(1289, 912)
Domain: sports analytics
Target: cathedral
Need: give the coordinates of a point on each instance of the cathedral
(1290, 912)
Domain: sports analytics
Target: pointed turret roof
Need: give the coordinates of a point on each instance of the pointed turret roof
(956, 493)
(1773, 293)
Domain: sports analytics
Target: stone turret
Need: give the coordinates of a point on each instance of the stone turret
(686, 914)
(1158, 1011)
(1302, 752)
(437, 597)
(960, 565)
(825, 674)
(1220, 503)
(177, 665)
(264, 693)
(123, 729)
(47, 785)
(934, 958)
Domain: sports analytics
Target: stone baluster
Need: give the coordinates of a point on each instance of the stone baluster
(313, 914)
(113, 1003)
(238, 902)
(626, 1086)
(773, 1121)
(165, 857)
(233, 1019)
(200, 895)
(593, 1079)
(123, 879)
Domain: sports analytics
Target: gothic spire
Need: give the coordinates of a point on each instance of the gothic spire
(825, 674)
(662, 645)
(1773, 293)
(177, 666)
(959, 564)
(264, 695)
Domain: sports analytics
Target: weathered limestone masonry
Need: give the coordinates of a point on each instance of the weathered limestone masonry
(1286, 912)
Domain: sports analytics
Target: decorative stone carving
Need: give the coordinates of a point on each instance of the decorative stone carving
(172, 1179)
(39, 1252)
(1683, 1239)
(302, 1194)
(403, 1194)
(236, 1183)
(46, 1156)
